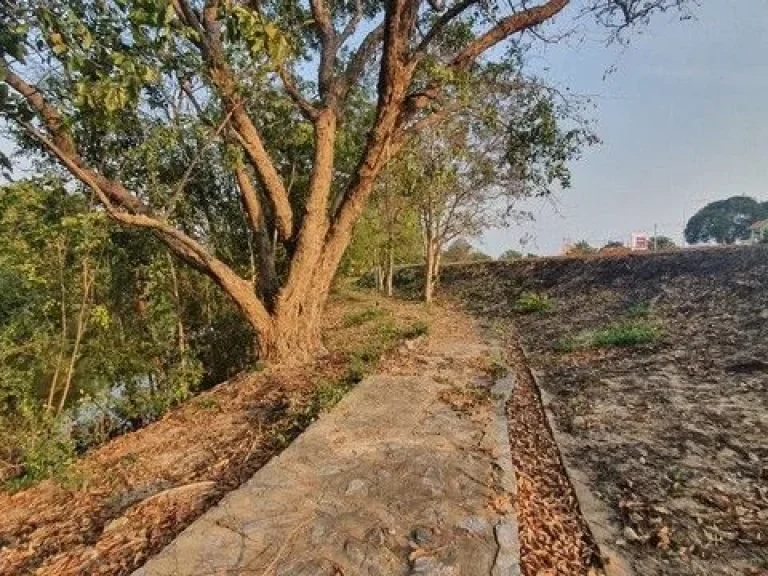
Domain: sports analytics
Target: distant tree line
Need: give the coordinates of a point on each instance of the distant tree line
(726, 221)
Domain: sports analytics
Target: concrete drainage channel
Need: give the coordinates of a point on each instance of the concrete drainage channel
(507, 561)
(555, 537)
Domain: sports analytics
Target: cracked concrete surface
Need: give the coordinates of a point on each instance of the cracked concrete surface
(399, 478)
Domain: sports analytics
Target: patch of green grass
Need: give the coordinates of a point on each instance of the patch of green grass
(531, 302)
(625, 334)
(329, 393)
(208, 403)
(622, 335)
(639, 310)
(366, 315)
(570, 344)
(416, 329)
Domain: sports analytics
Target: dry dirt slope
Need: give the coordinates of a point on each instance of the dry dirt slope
(672, 434)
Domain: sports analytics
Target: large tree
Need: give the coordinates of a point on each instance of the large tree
(271, 89)
(725, 221)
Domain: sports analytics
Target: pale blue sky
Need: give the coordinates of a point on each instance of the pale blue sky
(683, 120)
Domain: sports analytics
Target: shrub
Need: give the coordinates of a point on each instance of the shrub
(418, 328)
(45, 455)
(530, 302)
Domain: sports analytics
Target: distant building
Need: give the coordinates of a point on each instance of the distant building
(640, 241)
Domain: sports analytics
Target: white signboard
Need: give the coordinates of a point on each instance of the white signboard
(640, 241)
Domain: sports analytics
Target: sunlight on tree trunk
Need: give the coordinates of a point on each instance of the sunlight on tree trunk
(61, 250)
(88, 278)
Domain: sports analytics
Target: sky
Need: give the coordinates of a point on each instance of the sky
(682, 117)
(683, 121)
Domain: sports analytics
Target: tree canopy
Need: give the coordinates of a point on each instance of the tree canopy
(268, 122)
(462, 251)
(511, 254)
(581, 248)
(725, 221)
(661, 243)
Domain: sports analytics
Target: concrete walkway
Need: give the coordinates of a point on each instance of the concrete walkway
(409, 474)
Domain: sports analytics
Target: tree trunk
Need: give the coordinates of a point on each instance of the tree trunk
(436, 268)
(82, 323)
(390, 270)
(181, 332)
(295, 334)
(63, 339)
(429, 277)
(377, 268)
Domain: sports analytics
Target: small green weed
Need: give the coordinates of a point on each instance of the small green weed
(366, 315)
(530, 302)
(418, 328)
(208, 403)
(495, 366)
(622, 335)
(497, 370)
(572, 343)
(639, 310)
(626, 334)
(358, 369)
(329, 393)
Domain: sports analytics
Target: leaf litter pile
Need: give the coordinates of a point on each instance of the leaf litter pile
(554, 538)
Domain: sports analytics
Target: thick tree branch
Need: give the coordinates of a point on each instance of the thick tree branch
(61, 139)
(48, 113)
(438, 27)
(292, 89)
(187, 15)
(506, 27)
(353, 23)
(360, 59)
(316, 221)
(223, 79)
(328, 48)
(189, 249)
(266, 282)
(394, 78)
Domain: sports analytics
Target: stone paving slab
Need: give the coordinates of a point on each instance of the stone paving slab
(394, 480)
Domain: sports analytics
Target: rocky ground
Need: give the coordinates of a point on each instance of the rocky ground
(670, 433)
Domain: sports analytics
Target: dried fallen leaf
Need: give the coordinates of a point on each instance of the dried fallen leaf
(663, 536)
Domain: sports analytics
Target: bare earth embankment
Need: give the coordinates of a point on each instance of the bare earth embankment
(655, 370)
